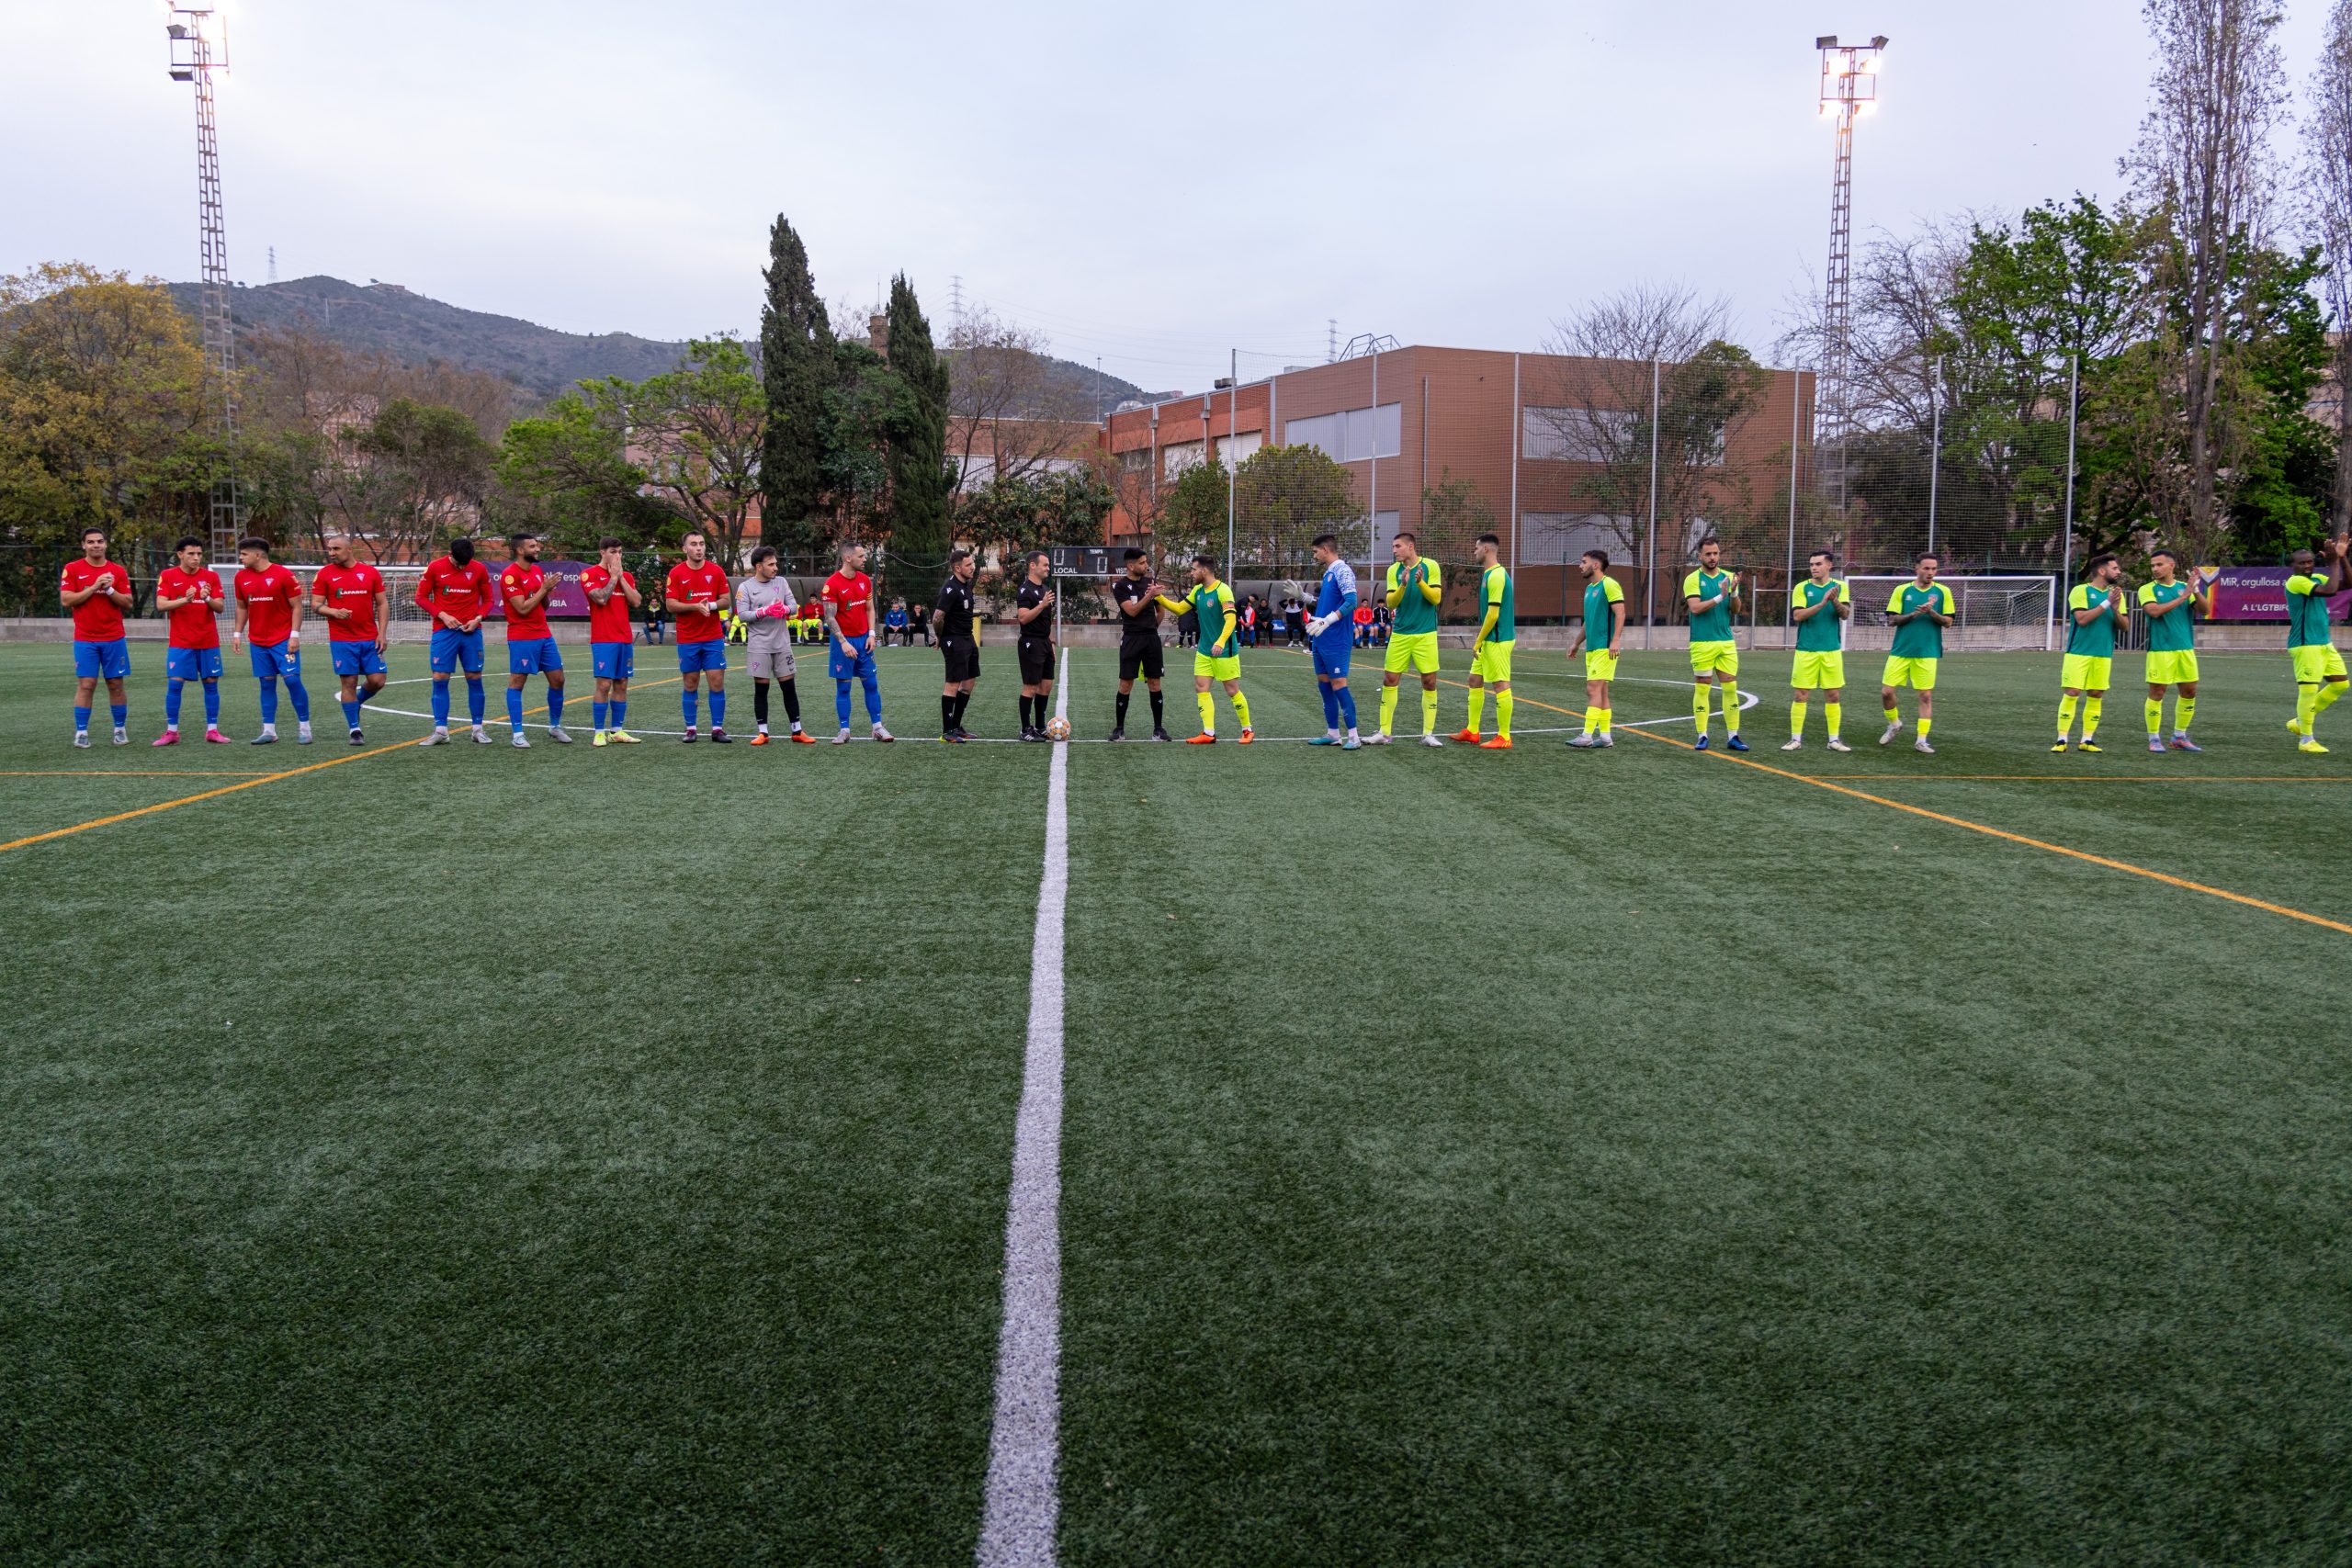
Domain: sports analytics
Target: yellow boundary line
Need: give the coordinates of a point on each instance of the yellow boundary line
(2083, 855)
(2083, 778)
(249, 783)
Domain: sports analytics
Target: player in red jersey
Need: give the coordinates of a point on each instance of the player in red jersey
(523, 590)
(455, 590)
(191, 598)
(98, 590)
(848, 599)
(350, 594)
(612, 645)
(696, 593)
(269, 622)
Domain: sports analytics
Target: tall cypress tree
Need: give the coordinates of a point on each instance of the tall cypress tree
(920, 491)
(795, 367)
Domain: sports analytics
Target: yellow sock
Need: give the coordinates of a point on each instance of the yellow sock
(1429, 712)
(2155, 711)
(1387, 709)
(2328, 693)
(1591, 720)
(1893, 714)
(1208, 713)
(1604, 720)
(1699, 709)
(1502, 714)
(1832, 712)
(2183, 710)
(1797, 720)
(1731, 708)
(1924, 722)
(1478, 706)
(2091, 706)
(2066, 715)
(1241, 708)
(2306, 708)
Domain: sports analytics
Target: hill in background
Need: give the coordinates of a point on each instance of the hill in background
(388, 319)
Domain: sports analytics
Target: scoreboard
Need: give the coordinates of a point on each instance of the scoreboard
(1084, 560)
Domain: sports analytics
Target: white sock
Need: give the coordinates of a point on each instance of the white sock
(763, 728)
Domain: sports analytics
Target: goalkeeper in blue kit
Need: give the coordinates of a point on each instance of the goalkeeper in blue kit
(1330, 635)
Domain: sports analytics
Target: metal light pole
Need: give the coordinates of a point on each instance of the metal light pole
(1848, 88)
(1796, 435)
(1232, 457)
(1649, 582)
(2066, 571)
(1935, 443)
(200, 46)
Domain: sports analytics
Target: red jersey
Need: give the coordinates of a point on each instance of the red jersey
(521, 578)
(193, 624)
(608, 622)
(461, 592)
(269, 597)
(96, 618)
(352, 588)
(850, 593)
(704, 584)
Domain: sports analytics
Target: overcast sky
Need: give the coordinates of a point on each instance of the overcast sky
(1148, 183)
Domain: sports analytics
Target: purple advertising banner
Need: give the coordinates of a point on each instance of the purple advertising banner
(2259, 593)
(567, 600)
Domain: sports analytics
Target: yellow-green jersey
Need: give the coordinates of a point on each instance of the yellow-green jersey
(1709, 626)
(1494, 597)
(2307, 609)
(1824, 633)
(1415, 613)
(2096, 640)
(1923, 638)
(1211, 603)
(1599, 626)
(2173, 632)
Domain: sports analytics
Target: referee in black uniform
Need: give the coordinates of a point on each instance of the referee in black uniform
(959, 644)
(1139, 650)
(1034, 608)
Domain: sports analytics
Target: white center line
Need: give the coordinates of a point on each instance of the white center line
(1022, 1509)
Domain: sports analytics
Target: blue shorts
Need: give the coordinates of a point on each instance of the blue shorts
(277, 659)
(192, 663)
(857, 666)
(613, 661)
(1333, 660)
(710, 654)
(532, 656)
(355, 658)
(451, 647)
(109, 660)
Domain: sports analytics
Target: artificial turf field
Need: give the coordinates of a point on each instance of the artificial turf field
(1534, 1157)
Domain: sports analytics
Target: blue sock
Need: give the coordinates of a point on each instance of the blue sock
(121, 713)
(1330, 708)
(515, 708)
(841, 702)
(212, 704)
(873, 699)
(719, 710)
(475, 700)
(555, 704)
(269, 702)
(620, 713)
(597, 710)
(1347, 707)
(171, 705)
(302, 696)
(440, 705)
(687, 702)
(351, 716)
(81, 718)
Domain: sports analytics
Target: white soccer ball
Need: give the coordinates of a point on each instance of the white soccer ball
(1057, 729)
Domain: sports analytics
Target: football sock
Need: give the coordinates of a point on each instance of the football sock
(1429, 712)
(81, 719)
(1241, 708)
(1699, 711)
(1731, 708)
(1330, 707)
(1833, 712)
(440, 704)
(351, 716)
(1605, 716)
(1478, 706)
(1122, 720)
(120, 712)
(688, 702)
(2153, 710)
(2066, 715)
(946, 712)
(1387, 709)
(599, 711)
(2327, 695)
(719, 710)
(1347, 707)
(873, 696)
(1024, 713)
(171, 705)
(620, 713)
(792, 702)
(1209, 714)
(1893, 714)
(555, 706)
(269, 702)
(841, 702)
(1925, 723)
(2183, 710)
(514, 709)
(302, 696)
(1591, 720)
(1502, 713)
(760, 703)
(2091, 706)
(963, 701)
(1797, 720)
(475, 699)
(213, 704)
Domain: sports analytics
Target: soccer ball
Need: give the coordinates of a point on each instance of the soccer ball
(1057, 729)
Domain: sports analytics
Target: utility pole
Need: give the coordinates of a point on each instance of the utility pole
(200, 46)
(1848, 89)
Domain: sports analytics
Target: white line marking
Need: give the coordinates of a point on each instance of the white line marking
(1022, 1509)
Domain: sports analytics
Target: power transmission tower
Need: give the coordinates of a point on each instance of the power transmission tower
(1331, 348)
(273, 263)
(200, 46)
(955, 305)
(1848, 89)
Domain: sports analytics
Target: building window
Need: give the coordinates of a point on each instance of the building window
(1175, 459)
(1351, 435)
(1136, 461)
(1556, 538)
(1232, 450)
(1574, 435)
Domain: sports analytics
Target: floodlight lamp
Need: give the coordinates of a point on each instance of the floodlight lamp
(1879, 42)
(1827, 40)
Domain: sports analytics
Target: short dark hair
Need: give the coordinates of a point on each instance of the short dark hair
(1830, 555)
(101, 533)
(1034, 556)
(1408, 533)
(1713, 539)
(762, 552)
(1133, 553)
(693, 533)
(186, 540)
(1330, 539)
(964, 552)
(1926, 556)
(1600, 556)
(514, 541)
(609, 543)
(848, 545)
(2167, 552)
(1208, 561)
(2096, 561)
(1493, 540)
(254, 542)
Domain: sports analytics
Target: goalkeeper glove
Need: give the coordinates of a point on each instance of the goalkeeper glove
(1317, 624)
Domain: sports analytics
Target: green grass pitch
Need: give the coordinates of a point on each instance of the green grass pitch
(1469, 1158)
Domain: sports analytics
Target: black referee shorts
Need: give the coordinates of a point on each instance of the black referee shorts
(1036, 661)
(1138, 658)
(963, 657)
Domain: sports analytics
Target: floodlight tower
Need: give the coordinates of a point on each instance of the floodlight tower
(1848, 90)
(200, 46)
